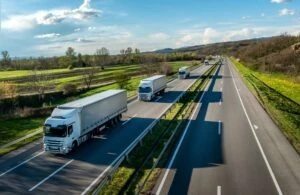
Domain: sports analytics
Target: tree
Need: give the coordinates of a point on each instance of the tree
(89, 75)
(166, 68)
(70, 52)
(80, 62)
(102, 57)
(6, 61)
(40, 82)
(128, 50)
(150, 64)
(122, 79)
(137, 51)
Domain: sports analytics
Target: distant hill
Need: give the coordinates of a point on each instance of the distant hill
(215, 48)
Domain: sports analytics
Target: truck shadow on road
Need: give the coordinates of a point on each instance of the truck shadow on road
(202, 146)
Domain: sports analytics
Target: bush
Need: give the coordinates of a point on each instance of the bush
(69, 88)
(122, 80)
(70, 67)
(166, 68)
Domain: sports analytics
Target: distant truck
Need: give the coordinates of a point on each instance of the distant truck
(206, 62)
(152, 86)
(73, 123)
(183, 72)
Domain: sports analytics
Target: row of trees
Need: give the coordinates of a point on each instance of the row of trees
(100, 58)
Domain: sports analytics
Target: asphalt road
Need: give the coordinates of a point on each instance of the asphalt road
(31, 171)
(231, 147)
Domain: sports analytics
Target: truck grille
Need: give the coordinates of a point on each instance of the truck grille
(53, 145)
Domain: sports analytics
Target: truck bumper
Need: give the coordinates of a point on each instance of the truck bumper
(58, 150)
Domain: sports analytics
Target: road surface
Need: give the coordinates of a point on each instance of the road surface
(31, 171)
(231, 146)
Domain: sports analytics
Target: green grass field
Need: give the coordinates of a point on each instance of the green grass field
(279, 96)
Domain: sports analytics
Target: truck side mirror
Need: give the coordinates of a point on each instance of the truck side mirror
(70, 130)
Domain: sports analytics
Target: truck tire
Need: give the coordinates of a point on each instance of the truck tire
(119, 117)
(74, 145)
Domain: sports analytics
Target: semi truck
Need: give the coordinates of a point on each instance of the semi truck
(151, 86)
(206, 62)
(183, 72)
(75, 122)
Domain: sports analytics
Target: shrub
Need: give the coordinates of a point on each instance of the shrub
(69, 88)
(166, 68)
(70, 67)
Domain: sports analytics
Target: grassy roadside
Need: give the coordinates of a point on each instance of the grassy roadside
(12, 129)
(130, 173)
(277, 99)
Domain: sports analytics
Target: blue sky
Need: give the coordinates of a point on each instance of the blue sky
(48, 27)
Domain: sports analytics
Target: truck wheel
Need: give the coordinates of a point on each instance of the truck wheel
(115, 120)
(74, 145)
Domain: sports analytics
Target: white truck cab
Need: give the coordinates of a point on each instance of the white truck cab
(60, 130)
(151, 86)
(183, 72)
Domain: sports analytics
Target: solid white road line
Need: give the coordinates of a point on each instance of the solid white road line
(219, 190)
(41, 182)
(179, 144)
(128, 120)
(219, 128)
(256, 138)
(13, 168)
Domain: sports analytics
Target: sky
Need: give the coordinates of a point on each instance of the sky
(48, 27)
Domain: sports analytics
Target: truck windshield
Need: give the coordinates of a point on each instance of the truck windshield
(59, 131)
(144, 89)
(181, 72)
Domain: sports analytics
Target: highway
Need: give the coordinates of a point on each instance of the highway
(230, 146)
(29, 170)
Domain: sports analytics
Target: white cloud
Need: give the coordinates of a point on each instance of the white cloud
(77, 29)
(159, 36)
(112, 37)
(243, 33)
(23, 22)
(245, 17)
(280, 1)
(47, 36)
(286, 12)
(91, 28)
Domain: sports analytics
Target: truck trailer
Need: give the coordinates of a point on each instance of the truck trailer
(75, 122)
(152, 86)
(183, 72)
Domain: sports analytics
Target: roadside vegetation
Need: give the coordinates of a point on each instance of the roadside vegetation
(138, 174)
(280, 97)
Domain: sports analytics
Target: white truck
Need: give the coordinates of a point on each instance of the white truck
(75, 122)
(151, 86)
(206, 62)
(183, 72)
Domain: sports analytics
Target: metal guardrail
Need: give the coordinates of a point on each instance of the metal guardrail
(124, 155)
